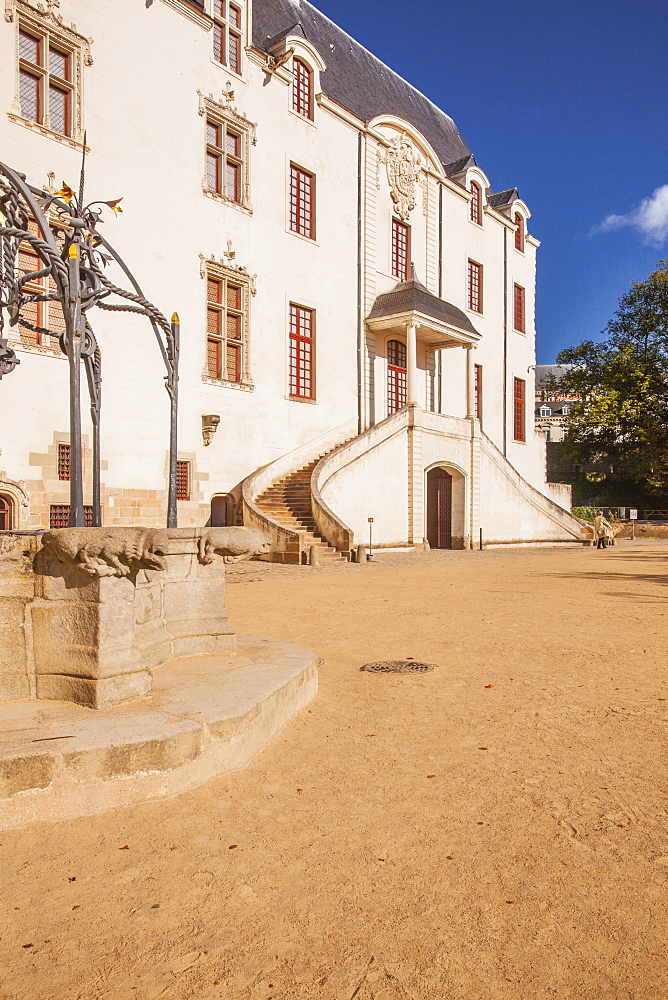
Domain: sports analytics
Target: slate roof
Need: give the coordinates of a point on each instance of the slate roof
(462, 163)
(354, 77)
(549, 372)
(556, 407)
(412, 296)
(502, 198)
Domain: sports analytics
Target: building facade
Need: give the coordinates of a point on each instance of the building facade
(355, 298)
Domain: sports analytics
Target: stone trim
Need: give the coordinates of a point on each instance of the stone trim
(42, 19)
(217, 268)
(223, 113)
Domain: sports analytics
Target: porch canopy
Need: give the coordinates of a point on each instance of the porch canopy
(427, 318)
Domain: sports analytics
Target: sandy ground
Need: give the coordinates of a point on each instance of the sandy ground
(494, 829)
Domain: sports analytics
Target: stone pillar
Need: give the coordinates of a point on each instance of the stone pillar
(411, 365)
(470, 383)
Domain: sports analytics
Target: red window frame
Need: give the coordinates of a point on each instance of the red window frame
(401, 249)
(478, 391)
(182, 480)
(5, 514)
(224, 161)
(227, 34)
(474, 286)
(475, 205)
(396, 376)
(47, 80)
(302, 339)
(302, 202)
(302, 89)
(225, 329)
(59, 515)
(519, 232)
(64, 452)
(518, 308)
(519, 408)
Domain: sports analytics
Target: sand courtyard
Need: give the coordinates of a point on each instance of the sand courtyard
(496, 828)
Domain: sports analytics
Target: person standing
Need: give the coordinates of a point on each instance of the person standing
(602, 530)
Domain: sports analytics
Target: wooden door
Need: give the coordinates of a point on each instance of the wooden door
(439, 509)
(5, 514)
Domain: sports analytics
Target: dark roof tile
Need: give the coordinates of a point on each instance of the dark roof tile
(355, 78)
(502, 198)
(412, 296)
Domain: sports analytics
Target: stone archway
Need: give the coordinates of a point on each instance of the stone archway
(445, 507)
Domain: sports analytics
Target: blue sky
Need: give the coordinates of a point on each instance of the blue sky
(564, 99)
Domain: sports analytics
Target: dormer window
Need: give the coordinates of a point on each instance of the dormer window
(519, 232)
(227, 34)
(475, 206)
(545, 411)
(302, 89)
(565, 410)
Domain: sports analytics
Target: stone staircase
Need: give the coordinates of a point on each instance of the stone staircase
(288, 501)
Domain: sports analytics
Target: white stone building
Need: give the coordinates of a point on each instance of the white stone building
(356, 302)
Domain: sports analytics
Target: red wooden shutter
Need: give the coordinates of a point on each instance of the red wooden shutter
(301, 202)
(478, 391)
(400, 249)
(475, 207)
(475, 286)
(396, 376)
(518, 308)
(519, 432)
(302, 91)
(301, 352)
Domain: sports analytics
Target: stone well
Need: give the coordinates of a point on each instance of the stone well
(130, 622)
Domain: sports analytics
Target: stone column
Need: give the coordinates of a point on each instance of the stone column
(411, 365)
(470, 383)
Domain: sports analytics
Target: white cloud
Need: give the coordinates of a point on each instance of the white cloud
(650, 218)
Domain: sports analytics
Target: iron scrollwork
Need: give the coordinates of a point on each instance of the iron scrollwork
(62, 231)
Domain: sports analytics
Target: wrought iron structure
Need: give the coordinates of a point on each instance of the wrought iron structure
(63, 232)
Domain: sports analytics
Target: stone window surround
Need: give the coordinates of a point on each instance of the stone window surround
(42, 20)
(212, 267)
(224, 114)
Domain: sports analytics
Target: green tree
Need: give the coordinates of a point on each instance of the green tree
(621, 425)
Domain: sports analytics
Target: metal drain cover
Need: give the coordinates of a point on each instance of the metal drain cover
(398, 667)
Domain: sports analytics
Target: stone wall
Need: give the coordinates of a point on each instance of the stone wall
(87, 613)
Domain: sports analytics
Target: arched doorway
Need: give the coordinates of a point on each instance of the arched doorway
(396, 376)
(221, 511)
(439, 509)
(6, 507)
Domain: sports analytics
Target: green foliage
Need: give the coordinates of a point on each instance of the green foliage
(584, 513)
(621, 424)
(589, 513)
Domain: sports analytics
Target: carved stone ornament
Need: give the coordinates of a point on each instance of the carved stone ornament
(210, 423)
(14, 486)
(108, 551)
(233, 544)
(403, 170)
(47, 11)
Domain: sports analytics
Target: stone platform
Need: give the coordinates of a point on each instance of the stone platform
(207, 715)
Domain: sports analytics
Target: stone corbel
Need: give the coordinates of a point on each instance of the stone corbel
(209, 427)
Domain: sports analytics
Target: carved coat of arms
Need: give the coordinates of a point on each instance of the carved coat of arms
(403, 169)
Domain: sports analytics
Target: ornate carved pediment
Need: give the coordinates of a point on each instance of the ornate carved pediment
(47, 12)
(15, 487)
(403, 171)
